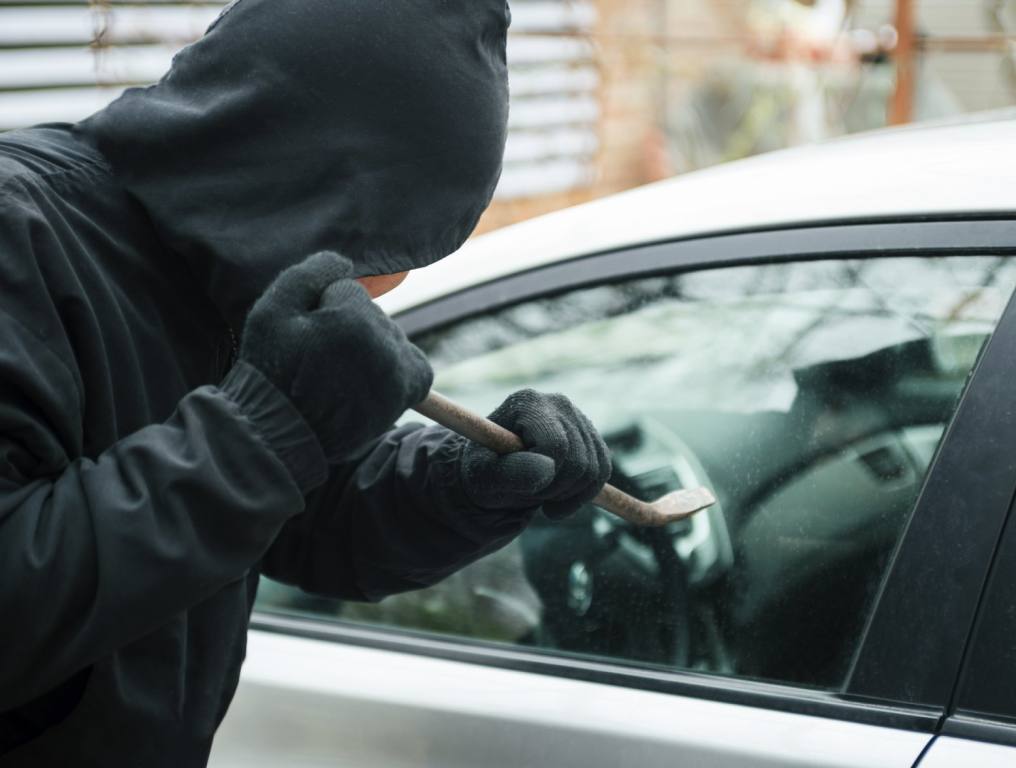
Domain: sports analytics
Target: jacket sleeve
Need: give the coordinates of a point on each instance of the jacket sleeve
(395, 520)
(97, 553)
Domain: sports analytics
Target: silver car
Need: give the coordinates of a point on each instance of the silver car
(822, 336)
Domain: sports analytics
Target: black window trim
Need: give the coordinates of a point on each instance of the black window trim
(730, 690)
(884, 696)
(973, 236)
(975, 722)
(980, 729)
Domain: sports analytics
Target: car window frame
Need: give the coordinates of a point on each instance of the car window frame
(903, 695)
(966, 720)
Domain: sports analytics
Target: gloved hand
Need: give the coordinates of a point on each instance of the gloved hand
(565, 465)
(346, 367)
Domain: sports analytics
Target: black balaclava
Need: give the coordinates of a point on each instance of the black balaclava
(374, 128)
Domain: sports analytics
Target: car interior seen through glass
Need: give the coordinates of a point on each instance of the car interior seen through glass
(809, 396)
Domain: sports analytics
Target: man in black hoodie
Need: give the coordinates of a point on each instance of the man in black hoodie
(195, 389)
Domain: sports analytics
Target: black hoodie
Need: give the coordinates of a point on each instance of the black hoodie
(139, 500)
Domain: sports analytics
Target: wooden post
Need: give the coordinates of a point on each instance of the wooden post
(901, 108)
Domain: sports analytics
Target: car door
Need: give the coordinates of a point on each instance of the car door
(837, 387)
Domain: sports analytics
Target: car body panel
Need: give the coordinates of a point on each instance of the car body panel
(949, 752)
(334, 704)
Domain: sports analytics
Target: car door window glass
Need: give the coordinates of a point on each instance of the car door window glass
(810, 396)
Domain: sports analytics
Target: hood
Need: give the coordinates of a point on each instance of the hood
(374, 128)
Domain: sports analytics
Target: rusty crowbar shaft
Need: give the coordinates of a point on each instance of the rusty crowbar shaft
(672, 506)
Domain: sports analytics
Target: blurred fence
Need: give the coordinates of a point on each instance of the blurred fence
(60, 61)
(606, 94)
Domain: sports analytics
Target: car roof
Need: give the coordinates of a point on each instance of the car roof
(947, 169)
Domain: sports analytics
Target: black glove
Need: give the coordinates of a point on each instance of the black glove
(565, 465)
(346, 367)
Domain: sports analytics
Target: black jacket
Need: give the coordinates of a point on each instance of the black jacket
(140, 494)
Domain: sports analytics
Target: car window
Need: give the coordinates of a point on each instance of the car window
(810, 397)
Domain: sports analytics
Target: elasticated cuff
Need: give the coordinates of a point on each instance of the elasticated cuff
(278, 423)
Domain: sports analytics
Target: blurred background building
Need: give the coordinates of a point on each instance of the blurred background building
(606, 94)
